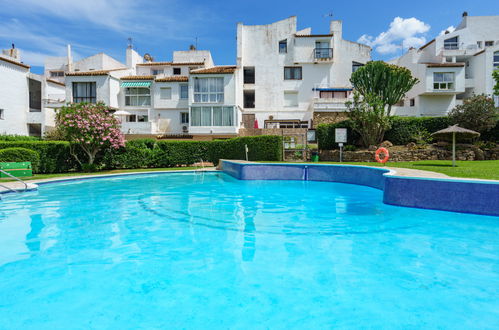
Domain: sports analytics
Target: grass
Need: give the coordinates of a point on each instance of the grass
(58, 175)
(484, 169)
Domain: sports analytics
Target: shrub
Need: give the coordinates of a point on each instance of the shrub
(9, 137)
(477, 113)
(404, 129)
(177, 153)
(55, 156)
(20, 155)
(325, 135)
(264, 147)
(492, 135)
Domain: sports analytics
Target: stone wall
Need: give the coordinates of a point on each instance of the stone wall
(328, 117)
(271, 131)
(402, 154)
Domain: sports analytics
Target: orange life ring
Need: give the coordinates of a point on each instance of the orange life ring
(382, 151)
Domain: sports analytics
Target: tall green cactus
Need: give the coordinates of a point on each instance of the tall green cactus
(378, 81)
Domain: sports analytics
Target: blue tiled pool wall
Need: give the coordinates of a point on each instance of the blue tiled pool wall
(437, 194)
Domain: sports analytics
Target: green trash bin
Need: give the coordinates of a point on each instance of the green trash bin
(315, 156)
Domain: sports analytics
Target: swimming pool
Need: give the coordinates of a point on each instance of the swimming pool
(205, 250)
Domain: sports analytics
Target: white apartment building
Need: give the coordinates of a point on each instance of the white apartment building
(452, 67)
(26, 99)
(290, 78)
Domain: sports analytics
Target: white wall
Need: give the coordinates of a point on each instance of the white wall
(14, 98)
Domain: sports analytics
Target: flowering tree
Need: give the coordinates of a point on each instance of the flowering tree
(90, 126)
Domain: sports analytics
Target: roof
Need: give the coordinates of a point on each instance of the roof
(225, 69)
(14, 62)
(89, 73)
(173, 79)
(169, 63)
(137, 78)
(480, 52)
(154, 63)
(449, 65)
(427, 44)
(313, 35)
(56, 82)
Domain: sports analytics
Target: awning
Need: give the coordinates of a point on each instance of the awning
(332, 89)
(136, 84)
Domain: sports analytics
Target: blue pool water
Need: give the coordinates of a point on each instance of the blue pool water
(193, 250)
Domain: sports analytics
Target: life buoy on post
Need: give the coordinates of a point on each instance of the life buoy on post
(382, 151)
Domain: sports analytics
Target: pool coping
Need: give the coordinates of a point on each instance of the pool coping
(417, 189)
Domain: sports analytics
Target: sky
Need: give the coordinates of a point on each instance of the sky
(41, 28)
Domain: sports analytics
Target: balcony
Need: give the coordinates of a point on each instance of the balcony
(54, 101)
(329, 105)
(323, 53)
(458, 49)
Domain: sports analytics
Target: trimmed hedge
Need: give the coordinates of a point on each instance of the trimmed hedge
(401, 132)
(55, 156)
(12, 137)
(143, 153)
(20, 155)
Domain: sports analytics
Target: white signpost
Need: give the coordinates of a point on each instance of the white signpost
(340, 137)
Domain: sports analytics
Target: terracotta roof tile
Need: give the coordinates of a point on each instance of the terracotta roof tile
(449, 65)
(56, 82)
(154, 63)
(313, 35)
(480, 52)
(427, 44)
(188, 63)
(173, 79)
(89, 73)
(226, 69)
(137, 78)
(169, 63)
(14, 62)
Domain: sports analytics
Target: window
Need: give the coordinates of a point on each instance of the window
(176, 71)
(412, 102)
(165, 93)
(291, 99)
(84, 92)
(184, 91)
(131, 118)
(222, 116)
(2, 113)
(496, 60)
(35, 130)
(57, 73)
(322, 50)
(209, 90)
(479, 44)
(142, 118)
(489, 43)
(451, 43)
(249, 99)
(155, 72)
(249, 74)
(184, 118)
(137, 96)
(283, 46)
(443, 80)
(292, 73)
(356, 66)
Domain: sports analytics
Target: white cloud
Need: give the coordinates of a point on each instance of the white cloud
(449, 29)
(402, 34)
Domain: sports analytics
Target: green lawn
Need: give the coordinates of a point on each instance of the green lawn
(485, 169)
(57, 175)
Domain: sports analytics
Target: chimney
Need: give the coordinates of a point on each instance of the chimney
(336, 28)
(132, 57)
(70, 59)
(13, 53)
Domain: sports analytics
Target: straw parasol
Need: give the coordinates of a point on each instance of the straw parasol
(453, 131)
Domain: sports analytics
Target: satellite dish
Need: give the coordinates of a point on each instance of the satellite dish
(148, 57)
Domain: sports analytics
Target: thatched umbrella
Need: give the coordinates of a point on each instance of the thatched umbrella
(453, 131)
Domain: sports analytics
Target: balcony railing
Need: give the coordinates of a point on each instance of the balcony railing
(451, 45)
(323, 53)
